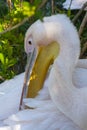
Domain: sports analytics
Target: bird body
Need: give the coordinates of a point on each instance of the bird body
(61, 104)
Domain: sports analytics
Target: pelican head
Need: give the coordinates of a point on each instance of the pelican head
(35, 36)
(56, 28)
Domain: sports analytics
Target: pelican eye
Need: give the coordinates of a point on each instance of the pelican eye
(29, 42)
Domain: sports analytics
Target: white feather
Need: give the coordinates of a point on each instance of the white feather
(76, 4)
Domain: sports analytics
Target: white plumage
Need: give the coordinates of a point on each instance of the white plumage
(76, 4)
(10, 93)
(62, 103)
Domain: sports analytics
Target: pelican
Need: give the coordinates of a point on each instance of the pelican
(75, 4)
(61, 104)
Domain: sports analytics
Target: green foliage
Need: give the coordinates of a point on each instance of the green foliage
(6, 60)
(11, 48)
(11, 44)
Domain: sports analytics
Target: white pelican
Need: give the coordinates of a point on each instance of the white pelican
(62, 102)
(75, 4)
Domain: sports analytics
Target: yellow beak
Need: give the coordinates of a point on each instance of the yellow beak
(45, 58)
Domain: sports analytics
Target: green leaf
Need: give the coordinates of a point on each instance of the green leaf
(11, 62)
(2, 58)
(6, 60)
